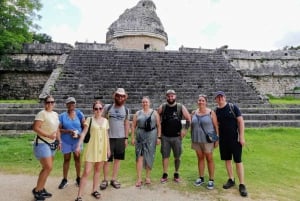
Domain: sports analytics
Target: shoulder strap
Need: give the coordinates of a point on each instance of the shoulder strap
(179, 109)
(110, 106)
(163, 108)
(231, 107)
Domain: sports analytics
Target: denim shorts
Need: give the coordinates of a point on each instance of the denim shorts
(42, 150)
(69, 148)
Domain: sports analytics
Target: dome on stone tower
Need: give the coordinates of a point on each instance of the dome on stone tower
(138, 28)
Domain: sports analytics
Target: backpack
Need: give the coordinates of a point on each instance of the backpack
(110, 106)
(231, 107)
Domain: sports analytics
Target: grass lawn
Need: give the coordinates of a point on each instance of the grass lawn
(271, 160)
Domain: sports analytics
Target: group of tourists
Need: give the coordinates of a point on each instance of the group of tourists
(106, 135)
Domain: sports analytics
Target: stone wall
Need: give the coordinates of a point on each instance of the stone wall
(94, 46)
(30, 70)
(275, 72)
(22, 85)
(139, 43)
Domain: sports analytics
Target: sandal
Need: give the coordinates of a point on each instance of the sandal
(96, 195)
(78, 199)
(103, 185)
(138, 184)
(147, 181)
(115, 184)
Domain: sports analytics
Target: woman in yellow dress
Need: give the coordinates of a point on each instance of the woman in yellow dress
(96, 151)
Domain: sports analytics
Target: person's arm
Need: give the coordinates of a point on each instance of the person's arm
(133, 127)
(158, 127)
(126, 127)
(241, 127)
(108, 144)
(187, 117)
(82, 135)
(216, 125)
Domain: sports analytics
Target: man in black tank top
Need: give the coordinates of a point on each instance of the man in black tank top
(175, 121)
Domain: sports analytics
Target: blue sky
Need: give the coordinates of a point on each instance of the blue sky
(241, 24)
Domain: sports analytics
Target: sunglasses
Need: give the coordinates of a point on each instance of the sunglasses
(120, 96)
(98, 108)
(50, 102)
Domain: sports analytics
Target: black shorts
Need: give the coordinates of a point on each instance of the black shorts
(229, 150)
(117, 149)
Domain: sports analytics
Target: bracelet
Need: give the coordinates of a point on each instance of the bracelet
(126, 138)
(159, 137)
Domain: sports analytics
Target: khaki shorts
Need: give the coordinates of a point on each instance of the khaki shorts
(204, 147)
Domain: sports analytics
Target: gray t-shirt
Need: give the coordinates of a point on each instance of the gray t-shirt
(116, 117)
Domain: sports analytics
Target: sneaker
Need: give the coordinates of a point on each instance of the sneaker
(164, 178)
(46, 194)
(199, 182)
(63, 183)
(78, 181)
(210, 185)
(243, 190)
(176, 177)
(229, 184)
(38, 195)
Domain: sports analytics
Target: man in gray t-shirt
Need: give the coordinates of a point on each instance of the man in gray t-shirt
(118, 118)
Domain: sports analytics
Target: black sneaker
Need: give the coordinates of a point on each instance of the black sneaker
(176, 177)
(46, 194)
(38, 195)
(243, 190)
(63, 183)
(164, 178)
(229, 184)
(78, 181)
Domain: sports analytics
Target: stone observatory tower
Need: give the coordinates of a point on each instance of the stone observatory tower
(138, 28)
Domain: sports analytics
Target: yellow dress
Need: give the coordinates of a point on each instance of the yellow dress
(96, 149)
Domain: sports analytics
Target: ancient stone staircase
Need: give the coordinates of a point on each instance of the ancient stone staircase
(94, 74)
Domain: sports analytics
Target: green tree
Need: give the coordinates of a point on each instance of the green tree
(17, 23)
(42, 38)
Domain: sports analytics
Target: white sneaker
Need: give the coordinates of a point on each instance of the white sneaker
(210, 185)
(198, 182)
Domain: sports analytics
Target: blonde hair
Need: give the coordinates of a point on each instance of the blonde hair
(203, 96)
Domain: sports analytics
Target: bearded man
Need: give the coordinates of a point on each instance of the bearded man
(175, 121)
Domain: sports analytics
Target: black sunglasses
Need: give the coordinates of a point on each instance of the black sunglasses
(48, 102)
(98, 108)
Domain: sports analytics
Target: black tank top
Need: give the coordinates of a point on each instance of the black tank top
(171, 122)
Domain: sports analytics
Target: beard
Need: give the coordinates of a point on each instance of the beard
(119, 102)
(171, 102)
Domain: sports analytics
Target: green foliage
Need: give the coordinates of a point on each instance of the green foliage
(270, 157)
(289, 100)
(20, 101)
(17, 23)
(42, 38)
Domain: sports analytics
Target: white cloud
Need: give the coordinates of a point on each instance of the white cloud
(252, 25)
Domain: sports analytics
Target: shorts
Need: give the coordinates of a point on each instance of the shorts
(68, 148)
(229, 150)
(117, 149)
(204, 147)
(42, 150)
(171, 143)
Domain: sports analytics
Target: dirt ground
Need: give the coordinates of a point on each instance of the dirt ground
(19, 187)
